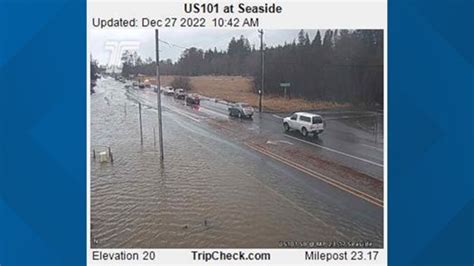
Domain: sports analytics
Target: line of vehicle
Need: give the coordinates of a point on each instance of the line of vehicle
(212, 110)
(317, 145)
(322, 177)
(299, 167)
(336, 151)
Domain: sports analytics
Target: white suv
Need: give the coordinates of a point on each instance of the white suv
(304, 123)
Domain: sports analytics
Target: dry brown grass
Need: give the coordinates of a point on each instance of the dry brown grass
(240, 89)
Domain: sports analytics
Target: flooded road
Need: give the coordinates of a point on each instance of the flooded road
(212, 190)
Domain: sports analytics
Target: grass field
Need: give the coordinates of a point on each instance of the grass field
(240, 89)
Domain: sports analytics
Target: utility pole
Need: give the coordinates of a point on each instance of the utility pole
(158, 93)
(262, 73)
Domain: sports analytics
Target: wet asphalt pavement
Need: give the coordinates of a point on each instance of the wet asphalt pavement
(227, 182)
(342, 141)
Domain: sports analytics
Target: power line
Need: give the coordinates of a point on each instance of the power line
(182, 47)
(173, 44)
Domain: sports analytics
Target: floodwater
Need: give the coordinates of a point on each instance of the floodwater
(210, 191)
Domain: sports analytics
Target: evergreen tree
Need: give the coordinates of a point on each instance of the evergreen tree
(342, 66)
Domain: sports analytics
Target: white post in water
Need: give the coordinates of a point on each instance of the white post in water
(158, 93)
(140, 119)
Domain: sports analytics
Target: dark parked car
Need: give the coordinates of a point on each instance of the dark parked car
(192, 99)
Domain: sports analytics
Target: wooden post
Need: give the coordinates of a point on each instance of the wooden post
(111, 155)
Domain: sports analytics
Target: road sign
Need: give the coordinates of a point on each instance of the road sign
(284, 86)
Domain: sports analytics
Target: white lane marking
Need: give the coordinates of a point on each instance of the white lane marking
(286, 142)
(320, 176)
(224, 111)
(214, 112)
(348, 117)
(276, 142)
(336, 151)
(277, 116)
(182, 113)
(177, 112)
(373, 147)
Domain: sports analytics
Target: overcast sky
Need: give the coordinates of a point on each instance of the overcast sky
(107, 45)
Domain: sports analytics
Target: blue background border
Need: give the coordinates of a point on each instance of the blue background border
(43, 132)
(430, 94)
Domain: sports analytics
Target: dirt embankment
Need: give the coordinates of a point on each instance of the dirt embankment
(241, 89)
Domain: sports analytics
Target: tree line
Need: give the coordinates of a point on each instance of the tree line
(339, 65)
